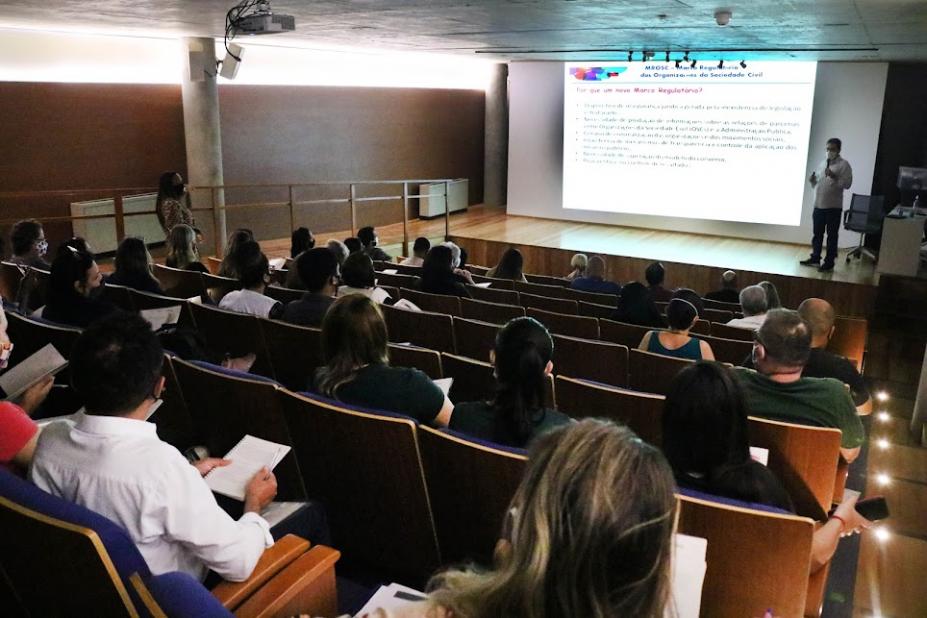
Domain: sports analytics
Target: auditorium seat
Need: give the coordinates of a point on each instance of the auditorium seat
(474, 380)
(757, 559)
(495, 284)
(180, 283)
(591, 360)
(217, 287)
(717, 304)
(365, 467)
(717, 315)
(232, 334)
(494, 295)
(146, 300)
(642, 412)
(118, 295)
(295, 352)
(701, 327)
(538, 289)
(731, 351)
(609, 300)
(629, 335)
(547, 280)
(719, 329)
(11, 276)
(278, 276)
(283, 294)
(395, 280)
(423, 359)
(653, 373)
(556, 305)
(563, 324)
(470, 484)
(596, 310)
(849, 339)
(475, 339)
(477, 270)
(391, 290)
(33, 289)
(213, 264)
(61, 559)
(29, 335)
(489, 312)
(436, 303)
(172, 418)
(406, 269)
(428, 330)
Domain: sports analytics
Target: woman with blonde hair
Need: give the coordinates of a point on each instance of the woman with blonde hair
(578, 263)
(589, 534)
(182, 252)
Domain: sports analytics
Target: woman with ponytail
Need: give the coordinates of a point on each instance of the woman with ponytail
(516, 414)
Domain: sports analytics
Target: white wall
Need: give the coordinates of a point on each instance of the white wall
(847, 104)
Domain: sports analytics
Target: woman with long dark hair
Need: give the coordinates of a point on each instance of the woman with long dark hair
(133, 267)
(171, 205)
(232, 262)
(510, 266)
(516, 414)
(438, 274)
(635, 306)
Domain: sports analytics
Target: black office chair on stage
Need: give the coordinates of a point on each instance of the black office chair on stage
(864, 217)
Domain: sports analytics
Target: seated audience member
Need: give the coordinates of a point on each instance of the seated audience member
(294, 280)
(676, 341)
(29, 245)
(369, 239)
(231, 261)
(753, 303)
(692, 297)
(438, 275)
(357, 371)
(254, 275)
(578, 263)
(419, 249)
(112, 462)
(462, 261)
(339, 249)
(655, 275)
(73, 290)
(820, 316)
(588, 533)
(133, 267)
(458, 259)
(182, 252)
(772, 295)
(777, 390)
(318, 270)
(354, 245)
(636, 307)
(728, 292)
(80, 244)
(510, 266)
(705, 439)
(301, 240)
(516, 414)
(594, 279)
(358, 277)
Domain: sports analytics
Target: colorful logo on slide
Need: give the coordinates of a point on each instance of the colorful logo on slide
(596, 74)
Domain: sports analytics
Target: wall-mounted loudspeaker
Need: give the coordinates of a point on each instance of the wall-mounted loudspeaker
(231, 63)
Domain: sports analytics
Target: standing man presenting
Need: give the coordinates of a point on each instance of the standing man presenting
(834, 178)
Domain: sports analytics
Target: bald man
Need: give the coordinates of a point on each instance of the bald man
(820, 316)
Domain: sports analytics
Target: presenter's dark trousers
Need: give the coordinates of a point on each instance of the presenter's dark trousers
(825, 219)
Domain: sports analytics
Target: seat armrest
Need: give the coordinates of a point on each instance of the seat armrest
(272, 561)
(307, 586)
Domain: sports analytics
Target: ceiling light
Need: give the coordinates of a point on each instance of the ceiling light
(743, 64)
(883, 479)
(723, 17)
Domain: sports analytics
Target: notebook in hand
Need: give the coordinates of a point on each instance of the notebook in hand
(247, 457)
(44, 363)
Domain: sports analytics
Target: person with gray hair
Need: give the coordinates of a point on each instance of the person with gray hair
(728, 292)
(339, 249)
(462, 275)
(778, 391)
(753, 302)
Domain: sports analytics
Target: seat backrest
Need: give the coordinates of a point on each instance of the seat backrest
(367, 471)
(733, 351)
(217, 287)
(470, 485)
(591, 297)
(62, 559)
(865, 213)
(804, 458)
(557, 305)
(756, 560)
(397, 280)
(477, 270)
(547, 280)
(718, 315)
(642, 412)
(475, 339)
(497, 284)
(30, 335)
(563, 324)
(701, 327)
(538, 289)
(489, 312)
(227, 405)
(717, 304)
(436, 303)
(172, 418)
(11, 276)
(653, 373)
(118, 295)
(434, 331)
(229, 333)
(494, 295)
(407, 269)
(476, 381)
(180, 283)
(724, 331)
(295, 352)
(283, 294)
(591, 360)
(595, 310)
(423, 359)
(629, 335)
(849, 339)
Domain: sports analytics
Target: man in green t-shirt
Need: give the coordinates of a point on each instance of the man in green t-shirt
(777, 391)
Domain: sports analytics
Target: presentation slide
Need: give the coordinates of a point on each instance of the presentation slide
(703, 142)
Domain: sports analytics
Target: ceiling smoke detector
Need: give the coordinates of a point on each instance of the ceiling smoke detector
(723, 17)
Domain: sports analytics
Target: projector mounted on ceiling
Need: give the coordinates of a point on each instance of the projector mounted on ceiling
(256, 17)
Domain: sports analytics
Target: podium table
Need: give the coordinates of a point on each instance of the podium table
(900, 253)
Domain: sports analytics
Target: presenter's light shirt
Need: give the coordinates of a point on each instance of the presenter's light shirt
(119, 468)
(828, 192)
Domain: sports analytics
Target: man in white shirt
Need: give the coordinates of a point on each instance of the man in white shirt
(254, 276)
(835, 177)
(112, 462)
(754, 305)
(419, 250)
